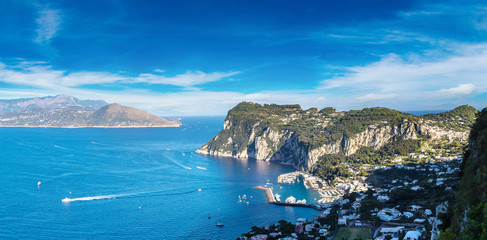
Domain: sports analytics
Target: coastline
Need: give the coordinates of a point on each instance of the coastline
(47, 126)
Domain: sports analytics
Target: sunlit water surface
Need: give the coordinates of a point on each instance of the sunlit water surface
(133, 184)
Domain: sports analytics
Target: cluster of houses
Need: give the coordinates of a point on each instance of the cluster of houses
(396, 222)
(395, 232)
(302, 227)
(436, 132)
(327, 193)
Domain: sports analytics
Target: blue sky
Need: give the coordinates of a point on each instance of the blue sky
(203, 57)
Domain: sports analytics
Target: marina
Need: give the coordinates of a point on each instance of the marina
(272, 200)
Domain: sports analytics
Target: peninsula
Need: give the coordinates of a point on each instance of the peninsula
(64, 111)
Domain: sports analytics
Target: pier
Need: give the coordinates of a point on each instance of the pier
(268, 194)
(272, 200)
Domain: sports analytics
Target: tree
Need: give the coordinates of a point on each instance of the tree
(447, 235)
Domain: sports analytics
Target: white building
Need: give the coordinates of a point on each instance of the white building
(412, 235)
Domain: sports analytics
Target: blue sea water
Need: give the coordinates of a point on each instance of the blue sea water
(134, 183)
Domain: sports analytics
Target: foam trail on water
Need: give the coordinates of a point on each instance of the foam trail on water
(181, 165)
(127, 195)
(104, 144)
(56, 146)
(202, 168)
(66, 200)
(177, 163)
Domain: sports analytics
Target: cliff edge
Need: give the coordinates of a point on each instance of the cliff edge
(291, 135)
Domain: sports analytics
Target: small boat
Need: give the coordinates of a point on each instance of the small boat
(199, 190)
(66, 200)
(209, 217)
(219, 224)
(39, 184)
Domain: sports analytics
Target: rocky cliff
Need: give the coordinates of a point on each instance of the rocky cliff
(300, 137)
(467, 218)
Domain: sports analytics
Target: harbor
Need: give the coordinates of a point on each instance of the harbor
(327, 194)
(272, 200)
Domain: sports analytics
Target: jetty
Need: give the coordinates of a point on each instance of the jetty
(272, 200)
(268, 194)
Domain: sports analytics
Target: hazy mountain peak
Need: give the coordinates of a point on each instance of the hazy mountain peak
(119, 115)
(49, 102)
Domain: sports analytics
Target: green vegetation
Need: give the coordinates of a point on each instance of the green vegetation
(314, 128)
(460, 118)
(355, 121)
(429, 196)
(352, 233)
(285, 228)
(472, 194)
(331, 166)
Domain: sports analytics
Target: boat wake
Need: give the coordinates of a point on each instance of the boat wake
(56, 146)
(128, 195)
(202, 168)
(177, 163)
(67, 200)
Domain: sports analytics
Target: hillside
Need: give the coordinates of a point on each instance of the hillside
(467, 219)
(67, 111)
(460, 118)
(115, 115)
(302, 138)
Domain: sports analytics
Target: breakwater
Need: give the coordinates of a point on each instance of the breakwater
(272, 200)
(268, 194)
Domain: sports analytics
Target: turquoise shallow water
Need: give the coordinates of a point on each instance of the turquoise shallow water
(146, 182)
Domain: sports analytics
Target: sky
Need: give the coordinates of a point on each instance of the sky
(202, 57)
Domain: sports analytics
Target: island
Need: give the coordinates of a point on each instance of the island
(380, 173)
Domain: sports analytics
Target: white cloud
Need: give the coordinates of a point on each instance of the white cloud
(417, 77)
(188, 79)
(48, 23)
(38, 74)
(401, 82)
(87, 78)
(31, 74)
(460, 90)
(377, 97)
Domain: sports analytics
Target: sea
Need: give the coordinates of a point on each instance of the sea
(136, 183)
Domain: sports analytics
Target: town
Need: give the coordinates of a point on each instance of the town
(406, 198)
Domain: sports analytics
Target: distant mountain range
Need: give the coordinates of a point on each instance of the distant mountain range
(56, 102)
(68, 111)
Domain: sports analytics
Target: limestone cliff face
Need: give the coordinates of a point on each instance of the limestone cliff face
(373, 136)
(266, 143)
(259, 142)
(297, 137)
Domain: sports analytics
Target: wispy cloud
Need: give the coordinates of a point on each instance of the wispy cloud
(188, 79)
(48, 24)
(377, 97)
(39, 74)
(417, 74)
(460, 90)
